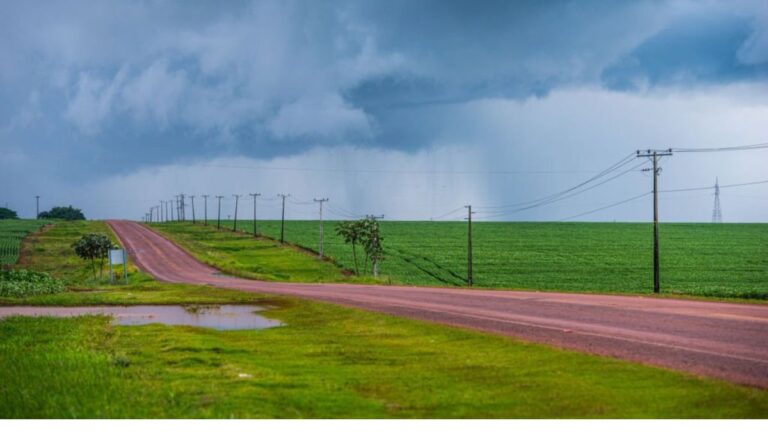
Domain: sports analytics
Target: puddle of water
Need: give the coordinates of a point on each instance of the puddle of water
(220, 317)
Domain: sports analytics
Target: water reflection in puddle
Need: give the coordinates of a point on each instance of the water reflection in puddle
(220, 317)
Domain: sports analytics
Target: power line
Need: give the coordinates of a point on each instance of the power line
(562, 197)
(712, 187)
(454, 211)
(636, 197)
(624, 161)
(719, 149)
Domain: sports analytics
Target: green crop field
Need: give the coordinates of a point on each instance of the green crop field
(11, 233)
(720, 260)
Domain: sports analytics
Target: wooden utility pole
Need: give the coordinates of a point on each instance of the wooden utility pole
(183, 210)
(192, 198)
(218, 217)
(237, 200)
(37, 206)
(320, 247)
(205, 209)
(376, 262)
(254, 195)
(282, 219)
(654, 155)
(469, 245)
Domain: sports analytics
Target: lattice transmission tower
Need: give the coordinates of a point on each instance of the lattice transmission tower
(717, 215)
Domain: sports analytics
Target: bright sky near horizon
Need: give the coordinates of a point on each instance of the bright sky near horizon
(402, 108)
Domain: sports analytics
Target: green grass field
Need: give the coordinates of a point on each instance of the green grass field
(719, 260)
(326, 362)
(12, 231)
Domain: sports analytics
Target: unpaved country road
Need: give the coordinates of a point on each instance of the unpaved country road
(722, 340)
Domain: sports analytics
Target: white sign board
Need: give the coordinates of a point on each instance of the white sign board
(116, 256)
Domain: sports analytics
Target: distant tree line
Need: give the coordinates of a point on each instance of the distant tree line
(66, 213)
(6, 213)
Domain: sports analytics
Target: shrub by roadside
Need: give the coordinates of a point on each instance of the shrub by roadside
(20, 283)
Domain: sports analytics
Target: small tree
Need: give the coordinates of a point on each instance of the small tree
(350, 232)
(372, 242)
(366, 233)
(92, 247)
(6, 213)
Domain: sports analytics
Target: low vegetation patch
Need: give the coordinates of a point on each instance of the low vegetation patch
(21, 283)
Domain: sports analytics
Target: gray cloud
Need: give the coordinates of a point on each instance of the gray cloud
(92, 91)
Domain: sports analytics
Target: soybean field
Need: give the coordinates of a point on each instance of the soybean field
(719, 260)
(12, 231)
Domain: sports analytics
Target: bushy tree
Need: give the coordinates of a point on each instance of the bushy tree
(372, 242)
(6, 213)
(350, 232)
(66, 213)
(92, 247)
(365, 232)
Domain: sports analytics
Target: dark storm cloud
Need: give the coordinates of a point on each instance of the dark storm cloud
(90, 89)
(692, 50)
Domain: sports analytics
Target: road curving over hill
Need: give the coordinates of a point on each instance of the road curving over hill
(716, 339)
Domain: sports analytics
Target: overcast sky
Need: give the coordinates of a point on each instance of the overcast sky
(409, 109)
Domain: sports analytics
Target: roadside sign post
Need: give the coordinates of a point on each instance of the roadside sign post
(118, 257)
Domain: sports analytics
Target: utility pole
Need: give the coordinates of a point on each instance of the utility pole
(376, 262)
(178, 209)
(218, 218)
(151, 213)
(37, 206)
(321, 201)
(717, 215)
(205, 209)
(654, 155)
(192, 198)
(282, 219)
(183, 210)
(469, 244)
(254, 195)
(237, 199)
(162, 209)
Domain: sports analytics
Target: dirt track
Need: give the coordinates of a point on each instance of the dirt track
(723, 340)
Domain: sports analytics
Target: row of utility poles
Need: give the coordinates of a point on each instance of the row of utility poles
(653, 155)
(164, 212)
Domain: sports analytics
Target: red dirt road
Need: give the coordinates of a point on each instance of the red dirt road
(723, 340)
